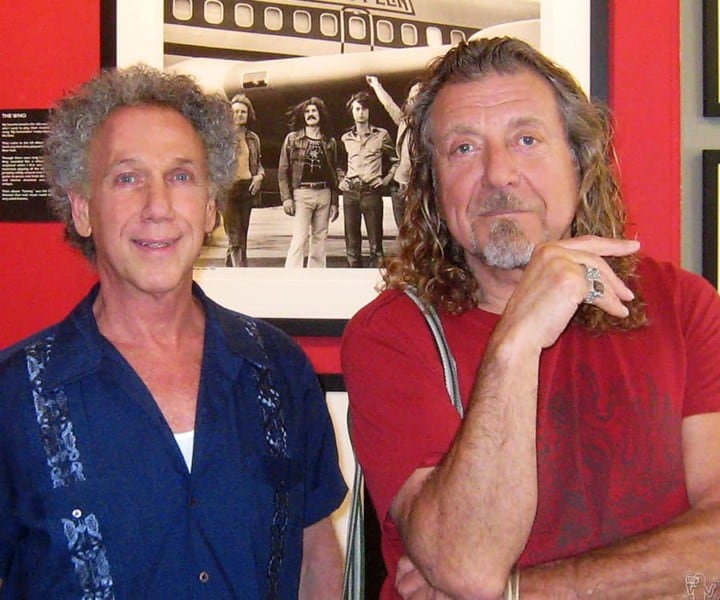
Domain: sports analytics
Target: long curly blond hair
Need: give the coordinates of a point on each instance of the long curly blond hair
(430, 260)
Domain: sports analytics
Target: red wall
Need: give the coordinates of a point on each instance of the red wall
(48, 48)
(645, 97)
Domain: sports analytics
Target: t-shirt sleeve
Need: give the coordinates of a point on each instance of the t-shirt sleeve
(401, 416)
(700, 307)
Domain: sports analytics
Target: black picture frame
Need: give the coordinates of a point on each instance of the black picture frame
(711, 48)
(599, 50)
(711, 198)
(299, 323)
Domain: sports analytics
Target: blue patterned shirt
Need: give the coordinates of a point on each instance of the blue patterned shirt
(96, 500)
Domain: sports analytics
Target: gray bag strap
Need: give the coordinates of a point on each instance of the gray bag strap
(354, 576)
(446, 357)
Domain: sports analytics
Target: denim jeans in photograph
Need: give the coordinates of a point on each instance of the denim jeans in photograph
(310, 224)
(366, 204)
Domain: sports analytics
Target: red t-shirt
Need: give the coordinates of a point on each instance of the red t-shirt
(610, 410)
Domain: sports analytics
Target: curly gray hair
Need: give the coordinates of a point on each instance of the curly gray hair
(77, 117)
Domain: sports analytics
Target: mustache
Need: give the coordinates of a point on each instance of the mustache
(501, 201)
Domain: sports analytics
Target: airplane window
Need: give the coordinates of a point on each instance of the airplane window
(434, 36)
(356, 28)
(244, 16)
(456, 36)
(214, 12)
(409, 34)
(273, 18)
(384, 31)
(301, 21)
(182, 9)
(328, 24)
(254, 79)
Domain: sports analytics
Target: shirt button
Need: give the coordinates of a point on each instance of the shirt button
(204, 577)
(193, 501)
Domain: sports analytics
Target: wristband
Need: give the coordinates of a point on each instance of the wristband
(512, 590)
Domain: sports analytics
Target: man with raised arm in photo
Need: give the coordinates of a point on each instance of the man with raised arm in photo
(154, 444)
(587, 463)
(307, 177)
(401, 176)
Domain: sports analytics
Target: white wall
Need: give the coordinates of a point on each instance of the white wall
(697, 134)
(338, 406)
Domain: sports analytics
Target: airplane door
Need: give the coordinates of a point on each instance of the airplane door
(357, 32)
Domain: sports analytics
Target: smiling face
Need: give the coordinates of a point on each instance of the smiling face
(505, 174)
(149, 203)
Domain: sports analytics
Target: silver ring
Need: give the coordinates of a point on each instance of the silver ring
(597, 289)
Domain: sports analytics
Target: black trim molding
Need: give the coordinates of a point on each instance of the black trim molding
(310, 327)
(711, 94)
(711, 165)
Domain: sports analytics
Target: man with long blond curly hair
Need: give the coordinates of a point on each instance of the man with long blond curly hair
(587, 461)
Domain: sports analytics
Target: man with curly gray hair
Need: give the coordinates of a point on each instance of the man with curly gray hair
(584, 461)
(154, 444)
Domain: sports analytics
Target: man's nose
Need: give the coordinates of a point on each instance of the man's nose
(500, 168)
(158, 200)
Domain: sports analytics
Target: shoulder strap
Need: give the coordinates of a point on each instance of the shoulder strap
(354, 577)
(446, 357)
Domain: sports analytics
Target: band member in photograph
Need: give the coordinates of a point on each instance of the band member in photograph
(308, 181)
(398, 187)
(371, 164)
(248, 181)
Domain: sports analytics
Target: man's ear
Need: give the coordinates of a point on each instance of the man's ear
(80, 209)
(210, 212)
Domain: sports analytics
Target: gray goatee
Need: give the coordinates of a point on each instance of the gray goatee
(508, 245)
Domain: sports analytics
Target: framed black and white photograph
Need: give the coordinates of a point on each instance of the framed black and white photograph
(279, 52)
(711, 198)
(711, 64)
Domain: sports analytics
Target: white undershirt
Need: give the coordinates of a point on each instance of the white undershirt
(185, 442)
